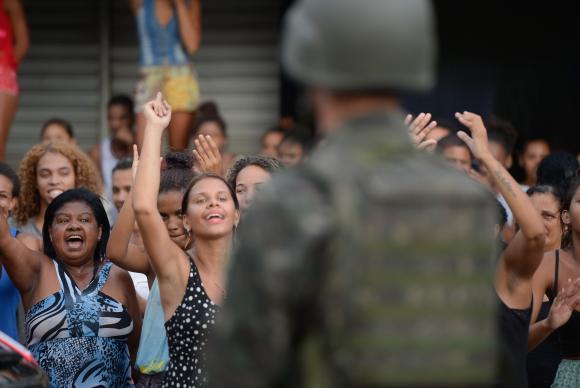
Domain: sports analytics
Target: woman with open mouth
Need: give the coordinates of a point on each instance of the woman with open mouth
(81, 311)
(46, 171)
(191, 284)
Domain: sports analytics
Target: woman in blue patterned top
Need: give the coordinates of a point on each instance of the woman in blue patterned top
(81, 311)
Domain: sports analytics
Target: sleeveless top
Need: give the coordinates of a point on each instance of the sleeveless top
(153, 354)
(6, 40)
(570, 331)
(159, 45)
(108, 162)
(9, 301)
(187, 334)
(80, 337)
(514, 326)
(543, 360)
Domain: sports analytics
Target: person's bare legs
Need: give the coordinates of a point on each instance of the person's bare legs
(8, 106)
(179, 130)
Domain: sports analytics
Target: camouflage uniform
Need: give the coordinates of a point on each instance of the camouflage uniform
(370, 266)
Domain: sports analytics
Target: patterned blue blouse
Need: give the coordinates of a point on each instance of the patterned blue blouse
(80, 337)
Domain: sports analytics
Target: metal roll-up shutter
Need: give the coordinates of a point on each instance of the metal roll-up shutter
(59, 77)
(237, 63)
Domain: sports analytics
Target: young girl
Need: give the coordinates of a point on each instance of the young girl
(191, 284)
(46, 171)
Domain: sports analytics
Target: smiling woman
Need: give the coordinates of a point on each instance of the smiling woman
(81, 312)
(45, 172)
(191, 283)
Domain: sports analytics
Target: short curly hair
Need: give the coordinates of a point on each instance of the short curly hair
(267, 163)
(86, 176)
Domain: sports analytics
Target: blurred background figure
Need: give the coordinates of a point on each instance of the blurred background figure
(455, 151)
(117, 146)
(57, 130)
(13, 46)
(169, 33)
(209, 122)
(295, 146)
(270, 140)
(9, 296)
(532, 154)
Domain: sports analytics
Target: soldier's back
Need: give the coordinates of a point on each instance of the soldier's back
(406, 296)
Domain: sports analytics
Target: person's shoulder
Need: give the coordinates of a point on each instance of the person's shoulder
(118, 275)
(30, 241)
(547, 265)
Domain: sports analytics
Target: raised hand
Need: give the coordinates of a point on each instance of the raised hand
(564, 304)
(477, 142)
(207, 155)
(157, 113)
(419, 129)
(135, 163)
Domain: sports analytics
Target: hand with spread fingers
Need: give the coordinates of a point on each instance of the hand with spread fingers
(419, 128)
(564, 304)
(207, 155)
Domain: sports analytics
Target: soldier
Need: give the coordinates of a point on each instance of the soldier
(371, 265)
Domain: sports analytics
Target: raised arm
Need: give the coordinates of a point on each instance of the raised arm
(19, 28)
(21, 263)
(162, 251)
(524, 254)
(120, 250)
(189, 18)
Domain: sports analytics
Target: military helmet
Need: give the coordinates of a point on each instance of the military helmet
(358, 45)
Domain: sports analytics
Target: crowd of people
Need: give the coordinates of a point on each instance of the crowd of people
(387, 251)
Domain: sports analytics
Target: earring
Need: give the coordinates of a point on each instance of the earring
(188, 239)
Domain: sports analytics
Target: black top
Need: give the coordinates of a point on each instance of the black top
(570, 332)
(514, 326)
(187, 333)
(544, 359)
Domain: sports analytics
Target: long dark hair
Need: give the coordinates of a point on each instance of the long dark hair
(77, 195)
(559, 196)
(198, 179)
(567, 237)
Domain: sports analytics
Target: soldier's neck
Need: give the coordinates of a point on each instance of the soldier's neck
(334, 110)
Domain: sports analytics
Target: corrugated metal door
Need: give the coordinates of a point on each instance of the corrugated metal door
(237, 63)
(60, 74)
